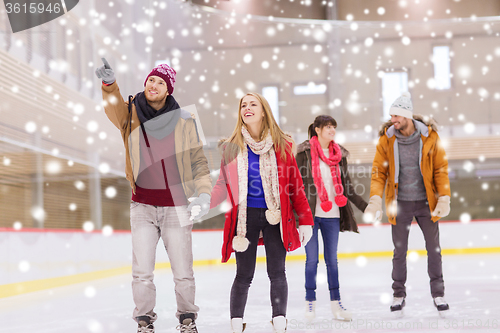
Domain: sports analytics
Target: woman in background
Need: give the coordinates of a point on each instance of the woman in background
(323, 167)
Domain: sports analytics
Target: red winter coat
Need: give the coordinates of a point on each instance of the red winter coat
(292, 196)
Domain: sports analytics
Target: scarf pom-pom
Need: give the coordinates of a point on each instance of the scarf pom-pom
(341, 200)
(273, 216)
(327, 205)
(240, 243)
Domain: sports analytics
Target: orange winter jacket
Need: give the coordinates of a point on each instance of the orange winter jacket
(433, 165)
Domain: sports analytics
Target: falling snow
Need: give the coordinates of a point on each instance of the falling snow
(218, 58)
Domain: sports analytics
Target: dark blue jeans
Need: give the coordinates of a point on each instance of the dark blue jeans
(330, 228)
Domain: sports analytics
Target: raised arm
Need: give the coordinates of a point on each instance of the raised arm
(115, 107)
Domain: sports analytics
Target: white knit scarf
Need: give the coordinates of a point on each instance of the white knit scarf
(268, 168)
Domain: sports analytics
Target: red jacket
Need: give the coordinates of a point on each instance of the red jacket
(292, 196)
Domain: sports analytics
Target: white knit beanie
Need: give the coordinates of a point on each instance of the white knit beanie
(402, 106)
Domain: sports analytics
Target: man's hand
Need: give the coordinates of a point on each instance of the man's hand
(373, 212)
(105, 73)
(305, 233)
(442, 207)
(200, 206)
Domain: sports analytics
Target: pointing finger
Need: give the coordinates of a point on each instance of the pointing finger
(106, 64)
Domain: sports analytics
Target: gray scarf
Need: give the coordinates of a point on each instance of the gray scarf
(159, 123)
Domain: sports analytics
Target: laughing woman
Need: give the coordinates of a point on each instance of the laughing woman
(260, 178)
(323, 167)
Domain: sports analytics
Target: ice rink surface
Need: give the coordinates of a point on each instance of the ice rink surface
(472, 290)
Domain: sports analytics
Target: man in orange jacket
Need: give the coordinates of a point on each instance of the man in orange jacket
(411, 160)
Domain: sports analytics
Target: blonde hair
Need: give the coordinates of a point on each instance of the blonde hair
(235, 143)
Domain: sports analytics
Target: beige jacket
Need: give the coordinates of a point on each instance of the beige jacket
(191, 160)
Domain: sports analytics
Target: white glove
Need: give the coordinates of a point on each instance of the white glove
(442, 207)
(195, 211)
(105, 73)
(373, 212)
(305, 233)
(200, 206)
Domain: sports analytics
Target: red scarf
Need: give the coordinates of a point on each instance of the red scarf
(333, 163)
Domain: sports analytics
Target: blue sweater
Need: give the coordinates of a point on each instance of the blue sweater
(255, 197)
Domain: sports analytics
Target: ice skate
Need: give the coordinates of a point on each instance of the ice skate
(144, 326)
(441, 306)
(397, 306)
(339, 312)
(187, 324)
(310, 310)
(279, 324)
(237, 325)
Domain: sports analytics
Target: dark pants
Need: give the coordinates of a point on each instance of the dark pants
(245, 265)
(330, 233)
(420, 210)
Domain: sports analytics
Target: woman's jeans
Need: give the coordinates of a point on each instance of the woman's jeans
(330, 228)
(245, 265)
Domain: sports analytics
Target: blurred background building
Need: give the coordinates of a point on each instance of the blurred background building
(62, 161)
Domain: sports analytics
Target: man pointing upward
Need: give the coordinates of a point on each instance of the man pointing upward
(165, 166)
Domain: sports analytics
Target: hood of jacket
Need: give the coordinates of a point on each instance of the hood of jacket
(307, 146)
(425, 124)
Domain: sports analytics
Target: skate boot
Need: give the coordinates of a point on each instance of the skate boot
(310, 310)
(339, 312)
(441, 306)
(279, 324)
(397, 306)
(187, 324)
(144, 325)
(237, 325)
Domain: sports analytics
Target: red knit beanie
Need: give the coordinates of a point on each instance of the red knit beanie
(167, 73)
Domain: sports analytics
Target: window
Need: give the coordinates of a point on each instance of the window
(310, 89)
(271, 94)
(441, 59)
(393, 85)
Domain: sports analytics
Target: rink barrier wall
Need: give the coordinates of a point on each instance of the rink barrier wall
(63, 257)
(15, 289)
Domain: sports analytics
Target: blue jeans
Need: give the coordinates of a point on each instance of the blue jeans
(330, 228)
